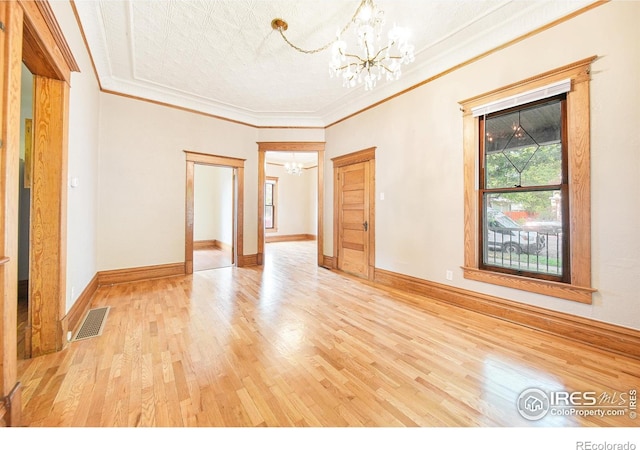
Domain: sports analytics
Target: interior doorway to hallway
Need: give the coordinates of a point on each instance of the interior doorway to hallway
(229, 234)
(213, 221)
(265, 214)
(290, 199)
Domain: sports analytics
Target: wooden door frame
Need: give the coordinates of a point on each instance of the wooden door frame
(366, 155)
(298, 147)
(32, 35)
(237, 165)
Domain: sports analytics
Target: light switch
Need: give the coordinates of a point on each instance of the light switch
(74, 182)
(381, 195)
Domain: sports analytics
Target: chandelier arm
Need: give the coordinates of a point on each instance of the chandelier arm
(386, 68)
(351, 55)
(379, 51)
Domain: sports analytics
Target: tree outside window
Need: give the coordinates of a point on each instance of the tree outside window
(523, 178)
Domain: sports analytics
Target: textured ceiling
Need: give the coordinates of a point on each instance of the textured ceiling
(223, 58)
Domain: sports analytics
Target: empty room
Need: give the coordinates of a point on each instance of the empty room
(320, 214)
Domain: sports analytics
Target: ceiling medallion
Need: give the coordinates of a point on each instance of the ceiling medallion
(374, 58)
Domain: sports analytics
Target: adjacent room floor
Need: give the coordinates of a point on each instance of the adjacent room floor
(292, 344)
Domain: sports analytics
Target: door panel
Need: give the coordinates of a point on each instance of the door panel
(353, 220)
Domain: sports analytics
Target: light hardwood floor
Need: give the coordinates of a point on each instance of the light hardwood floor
(297, 345)
(211, 258)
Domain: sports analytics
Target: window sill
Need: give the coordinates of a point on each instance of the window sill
(565, 291)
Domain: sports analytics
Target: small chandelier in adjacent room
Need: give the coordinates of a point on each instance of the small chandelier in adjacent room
(293, 168)
(374, 58)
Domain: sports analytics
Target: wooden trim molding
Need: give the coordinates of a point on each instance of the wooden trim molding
(118, 276)
(237, 164)
(11, 407)
(579, 196)
(82, 304)
(291, 146)
(290, 238)
(214, 160)
(545, 287)
(612, 338)
(329, 262)
(201, 245)
(211, 243)
(367, 154)
(263, 148)
(11, 16)
(47, 238)
(57, 34)
(45, 47)
(248, 260)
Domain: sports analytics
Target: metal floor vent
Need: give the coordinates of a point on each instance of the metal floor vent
(93, 324)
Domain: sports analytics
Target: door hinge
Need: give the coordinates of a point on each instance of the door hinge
(2, 26)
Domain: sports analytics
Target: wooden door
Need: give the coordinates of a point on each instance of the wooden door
(354, 218)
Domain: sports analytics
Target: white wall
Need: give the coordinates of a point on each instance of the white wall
(419, 225)
(296, 201)
(142, 179)
(84, 116)
(213, 204)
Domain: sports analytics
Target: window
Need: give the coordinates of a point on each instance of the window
(527, 222)
(270, 195)
(523, 184)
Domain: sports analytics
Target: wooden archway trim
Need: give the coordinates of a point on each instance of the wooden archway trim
(31, 34)
(237, 164)
(263, 148)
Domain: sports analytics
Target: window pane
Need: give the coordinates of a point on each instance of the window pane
(523, 231)
(268, 194)
(523, 148)
(268, 217)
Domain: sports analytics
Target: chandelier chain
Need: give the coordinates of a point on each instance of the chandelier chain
(327, 45)
(377, 59)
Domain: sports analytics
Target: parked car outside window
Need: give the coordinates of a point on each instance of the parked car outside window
(504, 234)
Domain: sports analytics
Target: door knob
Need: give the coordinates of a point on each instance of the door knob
(366, 225)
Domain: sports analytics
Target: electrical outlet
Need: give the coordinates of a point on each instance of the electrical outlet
(449, 275)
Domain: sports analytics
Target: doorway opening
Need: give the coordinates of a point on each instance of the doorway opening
(24, 206)
(282, 222)
(220, 181)
(213, 220)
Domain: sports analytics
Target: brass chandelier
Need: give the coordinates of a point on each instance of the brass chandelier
(374, 58)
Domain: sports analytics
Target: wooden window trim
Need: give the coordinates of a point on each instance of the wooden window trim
(579, 288)
(561, 186)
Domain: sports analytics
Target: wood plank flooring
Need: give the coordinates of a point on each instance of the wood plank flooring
(211, 258)
(294, 345)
